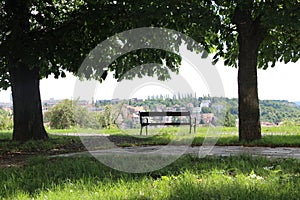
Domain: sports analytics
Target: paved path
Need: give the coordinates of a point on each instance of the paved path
(278, 152)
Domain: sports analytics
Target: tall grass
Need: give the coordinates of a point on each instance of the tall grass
(189, 177)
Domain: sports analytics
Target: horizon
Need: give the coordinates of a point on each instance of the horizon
(278, 83)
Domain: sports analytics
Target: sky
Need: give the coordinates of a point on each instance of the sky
(278, 83)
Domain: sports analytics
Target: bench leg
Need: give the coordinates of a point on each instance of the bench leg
(141, 130)
(195, 125)
(147, 130)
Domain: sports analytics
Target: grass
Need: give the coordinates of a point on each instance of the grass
(272, 137)
(281, 129)
(82, 130)
(189, 177)
(242, 177)
(55, 142)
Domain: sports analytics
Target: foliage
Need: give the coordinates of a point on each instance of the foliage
(67, 114)
(279, 111)
(274, 111)
(53, 36)
(241, 177)
(62, 115)
(229, 120)
(279, 28)
(206, 110)
(6, 121)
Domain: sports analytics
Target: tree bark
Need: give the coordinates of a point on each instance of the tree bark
(249, 122)
(249, 39)
(27, 108)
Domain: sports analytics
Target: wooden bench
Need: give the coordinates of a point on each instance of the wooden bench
(145, 119)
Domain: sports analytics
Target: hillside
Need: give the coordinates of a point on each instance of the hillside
(274, 111)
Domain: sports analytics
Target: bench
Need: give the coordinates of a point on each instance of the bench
(145, 119)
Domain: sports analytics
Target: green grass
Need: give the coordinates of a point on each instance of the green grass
(281, 129)
(5, 134)
(242, 177)
(273, 137)
(63, 143)
(82, 130)
(189, 177)
(223, 140)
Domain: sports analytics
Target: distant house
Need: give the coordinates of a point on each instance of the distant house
(267, 124)
(137, 109)
(8, 109)
(263, 124)
(205, 103)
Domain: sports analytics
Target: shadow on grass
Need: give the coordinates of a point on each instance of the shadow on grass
(282, 140)
(55, 144)
(187, 178)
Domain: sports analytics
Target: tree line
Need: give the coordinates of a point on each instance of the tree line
(68, 114)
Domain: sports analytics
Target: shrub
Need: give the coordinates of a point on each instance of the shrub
(6, 121)
(62, 115)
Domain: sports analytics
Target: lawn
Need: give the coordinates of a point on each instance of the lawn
(60, 143)
(38, 176)
(189, 177)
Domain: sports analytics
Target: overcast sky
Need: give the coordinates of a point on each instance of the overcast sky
(281, 83)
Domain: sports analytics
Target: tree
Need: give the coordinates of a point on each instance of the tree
(249, 35)
(229, 120)
(43, 37)
(257, 34)
(67, 114)
(206, 110)
(62, 115)
(38, 38)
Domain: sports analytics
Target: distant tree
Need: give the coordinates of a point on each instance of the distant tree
(62, 115)
(202, 121)
(229, 120)
(6, 121)
(206, 110)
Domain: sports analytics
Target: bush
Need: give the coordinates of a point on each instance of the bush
(62, 115)
(229, 120)
(6, 121)
(66, 114)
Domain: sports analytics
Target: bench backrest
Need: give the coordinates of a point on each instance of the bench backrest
(164, 114)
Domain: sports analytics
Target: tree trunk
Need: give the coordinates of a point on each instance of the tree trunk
(249, 39)
(27, 108)
(249, 123)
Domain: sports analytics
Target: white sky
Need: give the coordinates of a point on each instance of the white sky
(280, 83)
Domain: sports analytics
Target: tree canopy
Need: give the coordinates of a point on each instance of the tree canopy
(41, 37)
